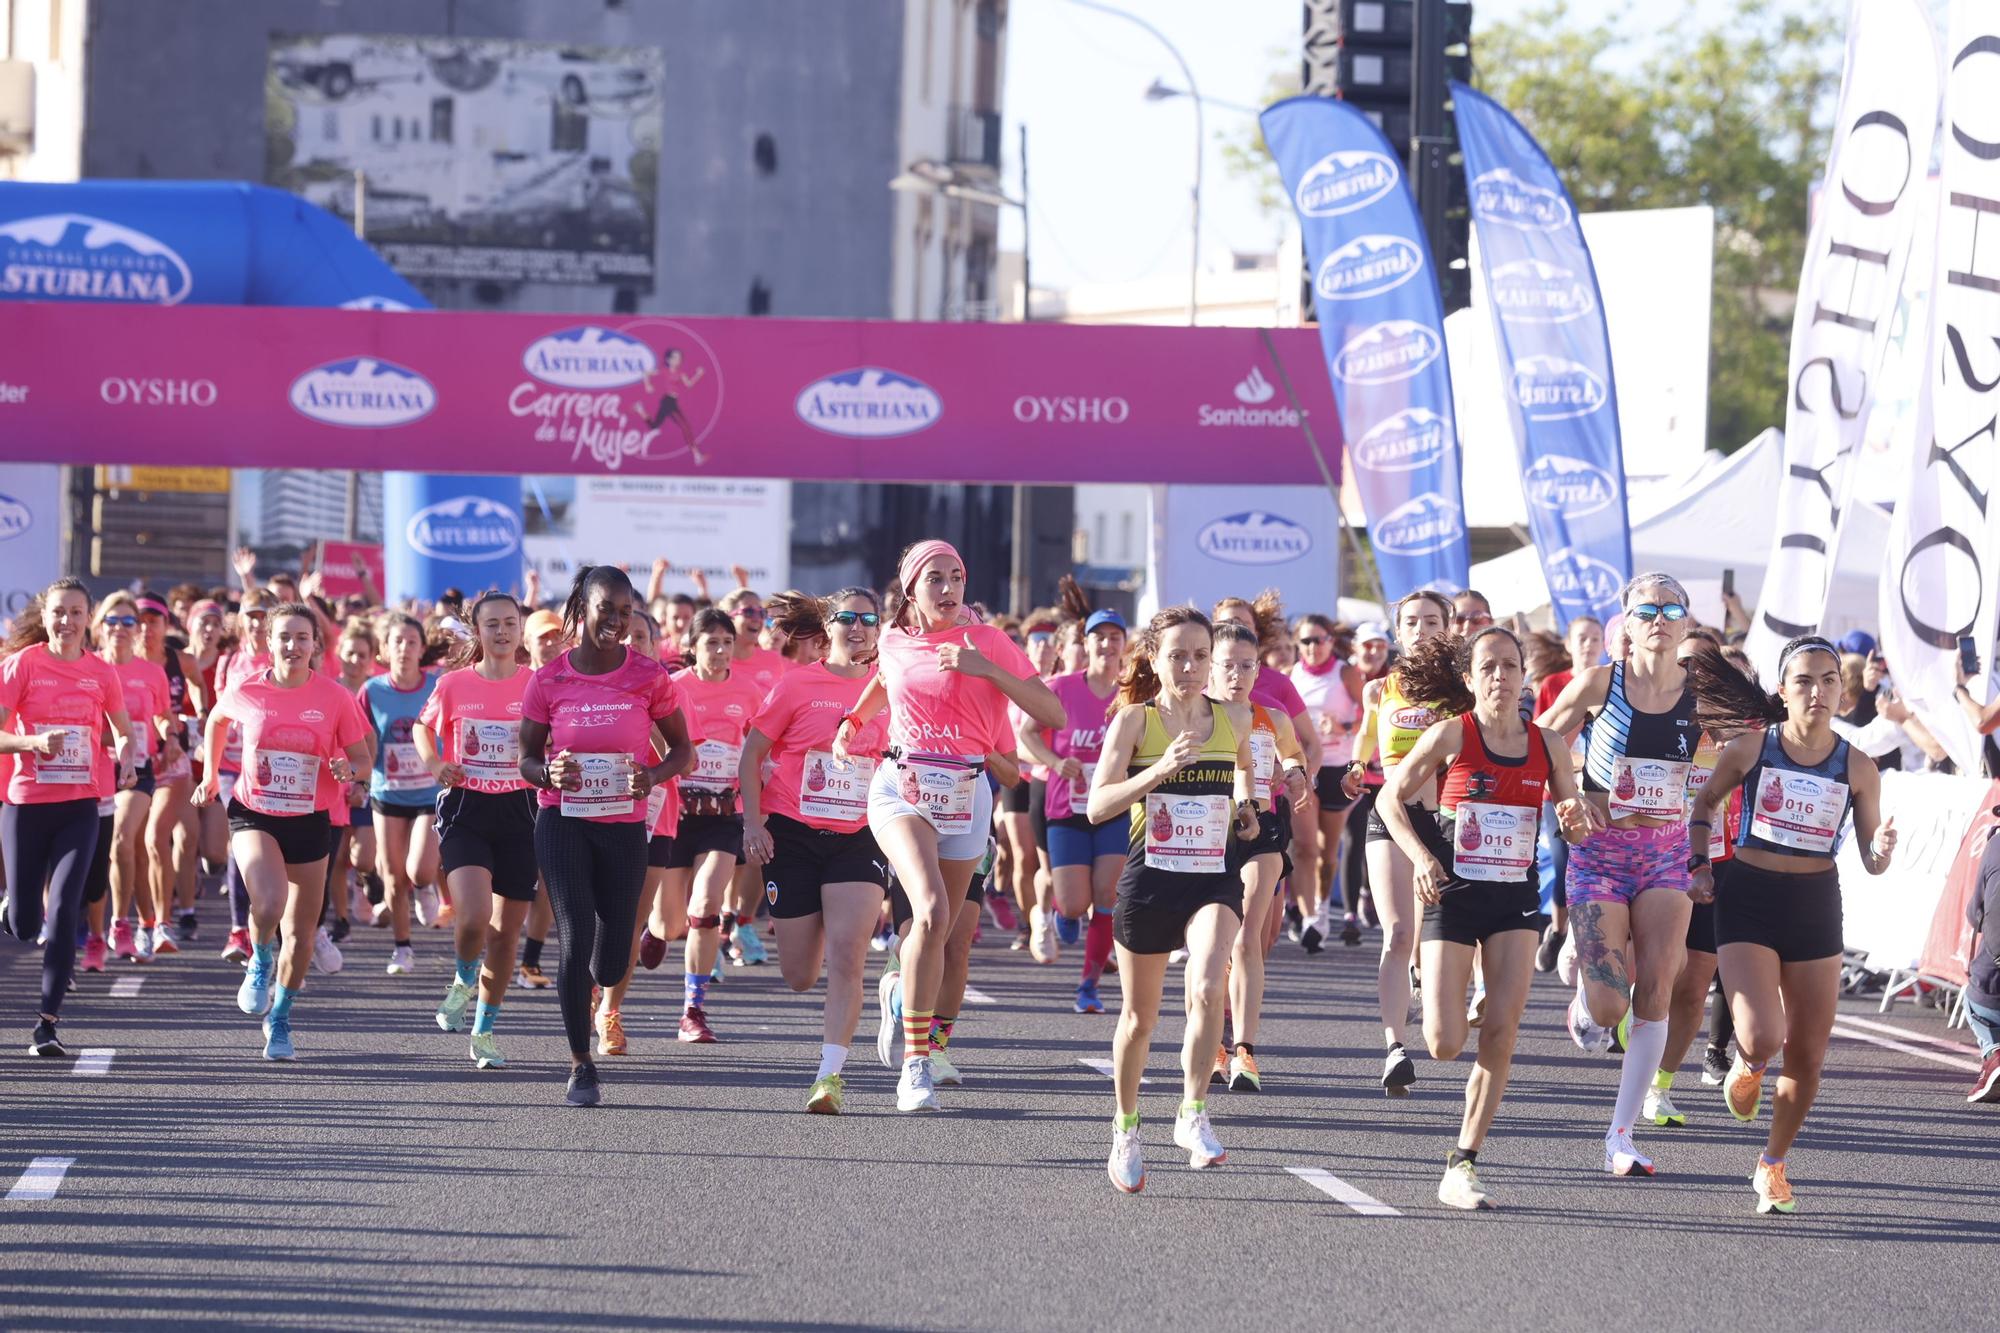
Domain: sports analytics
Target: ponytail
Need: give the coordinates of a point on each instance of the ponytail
(1071, 603)
(1725, 699)
(1434, 673)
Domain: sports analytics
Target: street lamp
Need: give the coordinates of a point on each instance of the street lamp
(1162, 91)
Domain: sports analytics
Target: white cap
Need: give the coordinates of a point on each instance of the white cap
(1371, 631)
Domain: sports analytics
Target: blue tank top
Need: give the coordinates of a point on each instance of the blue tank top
(1618, 730)
(1795, 809)
(399, 776)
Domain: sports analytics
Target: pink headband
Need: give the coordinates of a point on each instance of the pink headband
(920, 555)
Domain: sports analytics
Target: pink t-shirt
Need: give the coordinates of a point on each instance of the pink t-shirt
(288, 737)
(764, 668)
(478, 725)
(608, 714)
(949, 713)
(239, 665)
(145, 691)
(800, 718)
(1081, 737)
(719, 713)
(40, 690)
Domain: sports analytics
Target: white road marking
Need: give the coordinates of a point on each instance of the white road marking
(1104, 1067)
(1913, 1035)
(973, 995)
(41, 1180)
(1856, 1034)
(126, 987)
(1334, 1187)
(94, 1062)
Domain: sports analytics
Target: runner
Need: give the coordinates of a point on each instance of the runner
(1628, 885)
(210, 837)
(144, 687)
(302, 736)
(248, 656)
(946, 679)
(588, 724)
(485, 813)
(763, 668)
(1187, 784)
(1371, 659)
(55, 698)
(401, 792)
(547, 639)
(173, 860)
(1475, 862)
(1024, 815)
(1332, 691)
(354, 845)
(1777, 912)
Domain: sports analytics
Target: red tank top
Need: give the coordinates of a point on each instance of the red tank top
(1479, 776)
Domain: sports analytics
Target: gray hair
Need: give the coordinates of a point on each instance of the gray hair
(1649, 579)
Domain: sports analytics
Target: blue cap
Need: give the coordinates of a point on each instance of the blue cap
(1099, 619)
(1857, 641)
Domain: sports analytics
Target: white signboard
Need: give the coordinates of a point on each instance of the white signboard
(1235, 541)
(30, 532)
(695, 523)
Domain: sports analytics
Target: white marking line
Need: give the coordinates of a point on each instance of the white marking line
(94, 1062)
(1895, 1031)
(126, 987)
(1104, 1067)
(1952, 1061)
(41, 1180)
(1334, 1187)
(973, 995)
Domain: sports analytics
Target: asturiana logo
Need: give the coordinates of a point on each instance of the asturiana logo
(1254, 538)
(1568, 486)
(15, 518)
(1413, 438)
(1368, 266)
(1395, 349)
(1582, 581)
(1346, 180)
(1501, 196)
(1554, 388)
(363, 392)
(75, 257)
(1419, 526)
(375, 303)
(869, 403)
(589, 357)
(467, 527)
(1534, 291)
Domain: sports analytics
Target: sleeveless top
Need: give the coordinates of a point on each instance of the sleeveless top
(1399, 723)
(1641, 760)
(1490, 807)
(1182, 828)
(1795, 809)
(1324, 692)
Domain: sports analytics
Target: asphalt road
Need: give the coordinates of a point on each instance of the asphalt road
(380, 1182)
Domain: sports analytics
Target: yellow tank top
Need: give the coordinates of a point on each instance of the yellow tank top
(1399, 723)
(1213, 774)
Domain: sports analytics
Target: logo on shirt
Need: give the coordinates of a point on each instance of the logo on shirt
(312, 715)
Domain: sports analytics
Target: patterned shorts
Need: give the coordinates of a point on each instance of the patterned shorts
(1618, 864)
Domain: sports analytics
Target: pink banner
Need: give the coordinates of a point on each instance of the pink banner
(339, 575)
(792, 398)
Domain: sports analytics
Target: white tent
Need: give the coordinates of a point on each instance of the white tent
(1718, 517)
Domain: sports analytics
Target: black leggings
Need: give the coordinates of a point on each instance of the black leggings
(1354, 868)
(595, 873)
(49, 843)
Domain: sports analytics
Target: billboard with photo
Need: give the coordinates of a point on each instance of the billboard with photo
(705, 523)
(479, 159)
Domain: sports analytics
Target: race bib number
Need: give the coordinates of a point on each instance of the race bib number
(943, 793)
(1264, 765)
(402, 769)
(1798, 810)
(1718, 833)
(829, 789)
(606, 790)
(715, 766)
(1079, 791)
(490, 751)
(1656, 788)
(1494, 844)
(1187, 834)
(143, 740)
(282, 782)
(70, 765)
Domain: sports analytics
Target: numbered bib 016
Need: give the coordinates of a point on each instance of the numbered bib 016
(831, 790)
(606, 790)
(1494, 844)
(1798, 810)
(1655, 788)
(1187, 834)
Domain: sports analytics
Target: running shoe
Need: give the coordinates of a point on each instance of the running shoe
(1460, 1188)
(1622, 1159)
(164, 941)
(340, 929)
(142, 944)
(1350, 931)
(1714, 1067)
(1311, 938)
(750, 950)
(1002, 912)
(1069, 931)
(610, 1033)
(378, 913)
(1743, 1090)
(583, 1090)
(1398, 1072)
(1043, 946)
(1023, 937)
(944, 1073)
(427, 905)
(451, 1010)
(1588, 1036)
(254, 995)
(447, 914)
(1194, 1133)
(1659, 1110)
(122, 944)
(278, 1038)
(1293, 921)
(1475, 1013)
(1177, 957)
(93, 953)
(486, 1053)
(916, 1090)
(327, 957)
(44, 1041)
(1986, 1088)
(533, 978)
(1127, 1168)
(652, 949)
(1551, 945)
(889, 990)
(1243, 1075)
(1774, 1192)
(237, 948)
(402, 958)
(1566, 961)
(881, 939)
(1621, 1032)
(1220, 1073)
(190, 925)
(826, 1094)
(1086, 998)
(695, 1030)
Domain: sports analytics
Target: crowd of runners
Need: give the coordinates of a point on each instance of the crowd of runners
(650, 776)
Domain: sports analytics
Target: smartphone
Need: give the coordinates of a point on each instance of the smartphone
(1728, 583)
(1968, 657)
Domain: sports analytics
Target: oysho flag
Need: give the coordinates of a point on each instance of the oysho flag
(1381, 325)
(1855, 255)
(1942, 576)
(1548, 322)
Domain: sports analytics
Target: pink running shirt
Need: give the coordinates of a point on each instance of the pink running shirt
(947, 713)
(1082, 737)
(40, 690)
(478, 725)
(289, 735)
(608, 714)
(800, 718)
(719, 713)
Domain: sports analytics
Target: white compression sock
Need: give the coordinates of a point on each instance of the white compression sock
(1645, 1043)
(832, 1059)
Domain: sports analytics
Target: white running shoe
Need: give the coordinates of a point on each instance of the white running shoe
(1588, 1036)
(403, 959)
(327, 957)
(142, 945)
(1660, 1110)
(427, 904)
(915, 1090)
(1460, 1188)
(1566, 960)
(1127, 1168)
(1194, 1133)
(164, 941)
(943, 1072)
(1177, 957)
(1475, 1013)
(1623, 1159)
(1043, 946)
(889, 1035)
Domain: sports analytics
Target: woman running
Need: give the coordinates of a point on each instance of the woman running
(248, 656)
(210, 826)
(174, 881)
(1178, 766)
(401, 790)
(946, 679)
(1777, 912)
(1331, 688)
(1475, 862)
(1023, 822)
(1371, 659)
(547, 641)
(302, 736)
(55, 699)
(485, 813)
(1628, 885)
(807, 826)
(144, 690)
(587, 728)
(354, 845)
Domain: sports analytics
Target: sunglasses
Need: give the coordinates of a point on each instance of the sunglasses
(1311, 640)
(869, 618)
(1473, 618)
(1650, 611)
(749, 612)
(120, 622)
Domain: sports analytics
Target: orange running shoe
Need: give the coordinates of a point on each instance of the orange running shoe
(610, 1034)
(1743, 1090)
(1774, 1192)
(1220, 1074)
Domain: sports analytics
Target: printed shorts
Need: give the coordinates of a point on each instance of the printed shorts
(1618, 864)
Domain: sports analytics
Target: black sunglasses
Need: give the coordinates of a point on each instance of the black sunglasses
(1311, 640)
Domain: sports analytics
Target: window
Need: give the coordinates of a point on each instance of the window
(375, 128)
(441, 119)
(1125, 537)
(329, 125)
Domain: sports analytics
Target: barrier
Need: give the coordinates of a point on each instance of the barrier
(1888, 917)
(1947, 949)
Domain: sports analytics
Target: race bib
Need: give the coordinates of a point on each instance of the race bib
(232, 749)
(71, 764)
(1494, 844)
(1264, 765)
(490, 751)
(1718, 833)
(656, 805)
(606, 790)
(1187, 834)
(142, 741)
(1656, 788)
(402, 769)
(1079, 791)
(829, 789)
(715, 766)
(1798, 810)
(282, 782)
(943, 793)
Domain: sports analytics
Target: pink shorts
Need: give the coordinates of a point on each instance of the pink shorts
(1618, 864)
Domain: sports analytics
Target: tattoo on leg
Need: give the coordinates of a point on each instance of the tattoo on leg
(1601, 964)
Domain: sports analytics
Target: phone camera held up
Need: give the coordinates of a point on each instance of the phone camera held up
(1968, 657)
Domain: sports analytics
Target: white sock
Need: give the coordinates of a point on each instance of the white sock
(1645, 1043)
(832, 1059)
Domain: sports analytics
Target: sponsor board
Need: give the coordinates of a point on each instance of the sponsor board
(1569, 486)
(363, 393)
(1254, 538)
(869, 403)
(76, 257)
(1345, 182)
(466, 528)
(645, 390)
